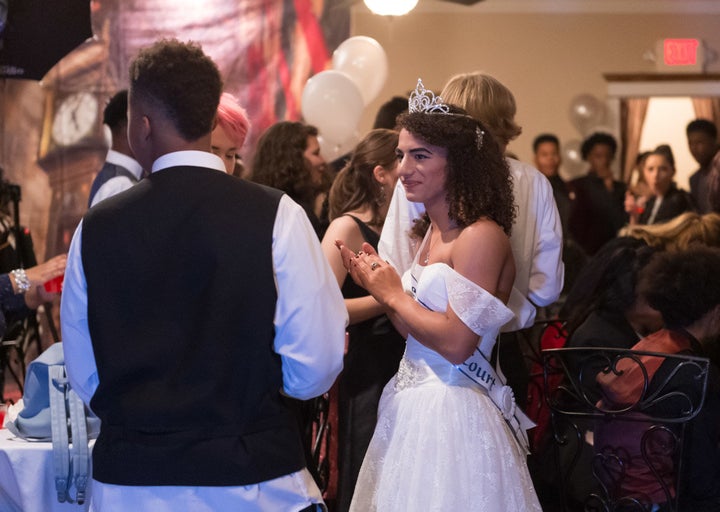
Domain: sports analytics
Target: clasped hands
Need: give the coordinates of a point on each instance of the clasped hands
(368, 270)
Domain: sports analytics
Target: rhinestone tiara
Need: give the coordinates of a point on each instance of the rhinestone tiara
(422, 100)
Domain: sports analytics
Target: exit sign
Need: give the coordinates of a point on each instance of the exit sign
(684, 55)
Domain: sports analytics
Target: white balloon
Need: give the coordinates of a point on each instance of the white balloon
(365, 62)
(333, 104)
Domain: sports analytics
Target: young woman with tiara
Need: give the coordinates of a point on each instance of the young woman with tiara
(449, 436)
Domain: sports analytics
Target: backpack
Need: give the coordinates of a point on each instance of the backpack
(52, 411)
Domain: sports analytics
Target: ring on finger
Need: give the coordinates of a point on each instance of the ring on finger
(374, 265)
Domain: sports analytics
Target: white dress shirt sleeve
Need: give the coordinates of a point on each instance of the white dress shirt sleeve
(395, 245)
(547, 272)
(77, 346)
(310, 317)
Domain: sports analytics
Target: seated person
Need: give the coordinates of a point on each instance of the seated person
(602, 309)
(685, 288)
(680, 233)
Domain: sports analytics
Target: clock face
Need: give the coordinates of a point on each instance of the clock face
(75, 118)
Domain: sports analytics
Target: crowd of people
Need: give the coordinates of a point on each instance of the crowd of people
(206, 298)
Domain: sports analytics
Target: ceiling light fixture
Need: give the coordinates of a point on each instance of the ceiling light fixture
(391, 7)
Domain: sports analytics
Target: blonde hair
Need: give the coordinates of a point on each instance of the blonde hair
(487, 100)
(684, 231)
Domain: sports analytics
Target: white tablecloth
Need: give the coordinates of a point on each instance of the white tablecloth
(27, 483)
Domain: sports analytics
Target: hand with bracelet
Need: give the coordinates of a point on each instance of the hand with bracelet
(29, 282)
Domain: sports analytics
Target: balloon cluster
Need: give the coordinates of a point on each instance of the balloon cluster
(588, 115)
(333, 100)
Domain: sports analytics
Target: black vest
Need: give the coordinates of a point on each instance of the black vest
(181, 302)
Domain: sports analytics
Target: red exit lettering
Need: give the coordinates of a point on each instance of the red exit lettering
(680, 52)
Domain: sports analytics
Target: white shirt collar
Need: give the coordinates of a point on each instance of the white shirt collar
(191, 158)
(123, 160)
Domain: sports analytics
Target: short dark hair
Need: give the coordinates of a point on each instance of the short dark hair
(115, 113)
(386, 116)
(182, 80)
(596, 139)
(683, 286)
(702, 125)
(543, 138)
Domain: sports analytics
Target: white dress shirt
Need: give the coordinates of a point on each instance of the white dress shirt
(536, 242)
(310, 321)
(118, 184)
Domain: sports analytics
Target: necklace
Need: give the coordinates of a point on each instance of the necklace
(432, 242)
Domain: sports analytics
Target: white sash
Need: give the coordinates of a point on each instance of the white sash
(480, 371)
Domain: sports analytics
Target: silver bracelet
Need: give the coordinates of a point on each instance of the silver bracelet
(21, 280)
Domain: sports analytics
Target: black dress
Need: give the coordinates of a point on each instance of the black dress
(674, 203)
(374, 352)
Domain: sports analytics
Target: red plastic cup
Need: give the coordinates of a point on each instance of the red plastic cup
(55, 285)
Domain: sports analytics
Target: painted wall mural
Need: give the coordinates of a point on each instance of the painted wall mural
(53, 140)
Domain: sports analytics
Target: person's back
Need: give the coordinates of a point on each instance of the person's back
(172, 334)
(184, 322)
(120, 170)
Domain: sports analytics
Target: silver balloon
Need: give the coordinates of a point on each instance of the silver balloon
(586, 111)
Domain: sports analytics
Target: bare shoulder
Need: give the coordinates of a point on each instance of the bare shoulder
(482, 253)
(346, 229)
(483, 233)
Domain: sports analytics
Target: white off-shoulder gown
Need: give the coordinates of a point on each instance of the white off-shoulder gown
(440, 443)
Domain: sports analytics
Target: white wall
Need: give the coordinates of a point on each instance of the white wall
(546, 52)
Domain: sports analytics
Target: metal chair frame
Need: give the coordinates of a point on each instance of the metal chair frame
(666, 406)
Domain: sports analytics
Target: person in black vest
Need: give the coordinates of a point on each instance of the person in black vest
(120, 170)
(192, 302)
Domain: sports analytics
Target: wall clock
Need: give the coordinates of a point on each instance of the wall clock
(74, 118)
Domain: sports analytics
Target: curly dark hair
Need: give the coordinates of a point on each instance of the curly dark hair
(683, 286)
(279, 161)
(181, 79)
(478, 182)
(355, 185)
(596, 139)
